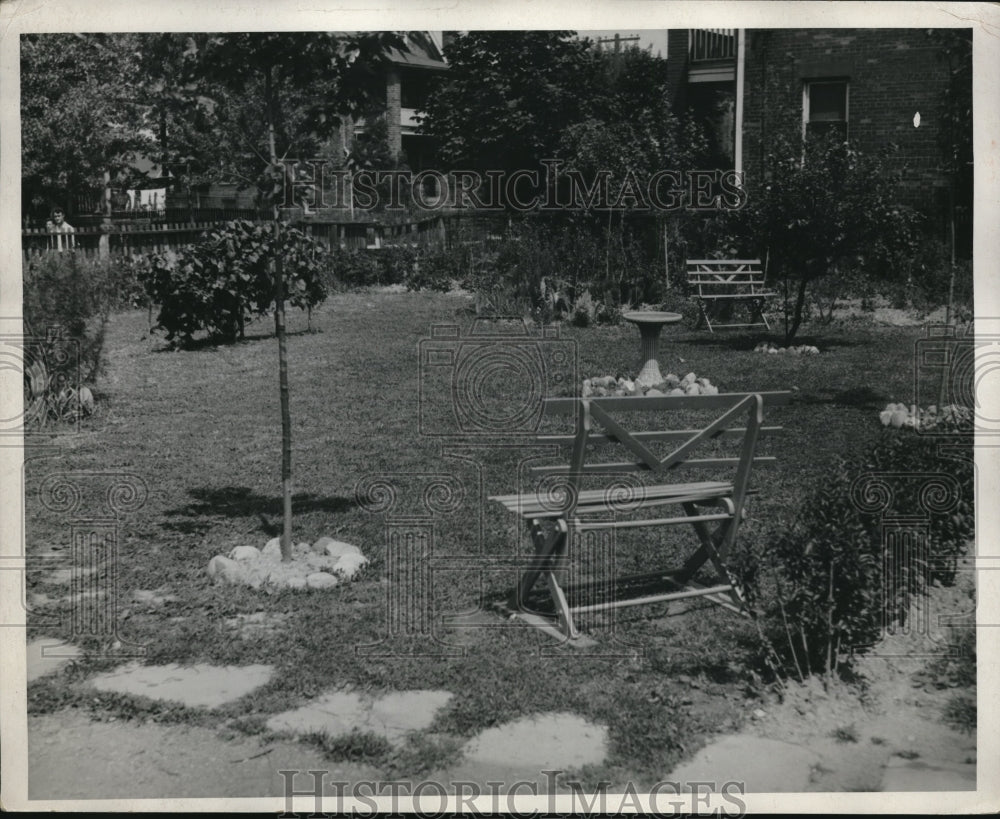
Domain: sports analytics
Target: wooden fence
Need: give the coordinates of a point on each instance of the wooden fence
(139, 236)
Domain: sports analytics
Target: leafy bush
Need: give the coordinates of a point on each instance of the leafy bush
(355, 267)
(436, 268)
(544, 266)
(836, 584)
(218, 284)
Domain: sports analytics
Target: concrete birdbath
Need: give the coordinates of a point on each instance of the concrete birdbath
(650, 323)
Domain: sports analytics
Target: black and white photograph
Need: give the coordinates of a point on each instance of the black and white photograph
(584, 409)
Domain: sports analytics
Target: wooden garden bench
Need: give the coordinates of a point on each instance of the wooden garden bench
(721, 284)
(558, 517)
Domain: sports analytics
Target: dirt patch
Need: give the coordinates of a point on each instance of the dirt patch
(884, 733)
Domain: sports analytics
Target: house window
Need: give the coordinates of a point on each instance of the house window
(824, 108)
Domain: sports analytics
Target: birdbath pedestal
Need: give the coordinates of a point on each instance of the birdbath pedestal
(650, 324)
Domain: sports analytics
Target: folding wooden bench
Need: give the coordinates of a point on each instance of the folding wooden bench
(721, 284)
(556, 520)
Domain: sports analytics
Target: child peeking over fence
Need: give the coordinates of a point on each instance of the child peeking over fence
(61, 230)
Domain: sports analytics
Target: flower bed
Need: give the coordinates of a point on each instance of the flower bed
(671, 384)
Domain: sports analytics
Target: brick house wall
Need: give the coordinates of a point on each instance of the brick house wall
(892, 75)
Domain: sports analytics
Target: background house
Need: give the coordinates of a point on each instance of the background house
(869, 85)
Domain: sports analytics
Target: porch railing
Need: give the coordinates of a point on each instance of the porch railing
(712, 44)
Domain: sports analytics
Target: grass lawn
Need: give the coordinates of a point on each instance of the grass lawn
(202, 429)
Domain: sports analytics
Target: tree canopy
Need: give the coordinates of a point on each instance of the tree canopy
(82, 113)
(506, 98)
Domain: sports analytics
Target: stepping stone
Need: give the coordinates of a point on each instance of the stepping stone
(201, 685)
(763, 765)
(927, 775)
(341, 712)
(395, 714)
(539, 742)
(47, 656)
(337, 713)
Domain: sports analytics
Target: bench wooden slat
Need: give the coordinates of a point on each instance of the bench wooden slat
(723, 261)
(657, 491)
(742, 296)
(723, 400)
(654, 435)
(640, 466)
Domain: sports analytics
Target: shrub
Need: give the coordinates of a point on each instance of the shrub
(355, 267)
(218, 284)
(437, 268)
(65, 307)
(836, 585)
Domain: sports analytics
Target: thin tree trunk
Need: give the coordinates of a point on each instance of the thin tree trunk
(277, 270)
(942, 393)
(800, 300)
(829, 626)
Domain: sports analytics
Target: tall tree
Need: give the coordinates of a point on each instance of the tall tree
(82, 118)
(506, 98)
(303, 86)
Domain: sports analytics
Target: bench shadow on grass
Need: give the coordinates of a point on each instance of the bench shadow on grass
(242, 502)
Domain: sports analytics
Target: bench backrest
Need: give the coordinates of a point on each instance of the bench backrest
(729, 274)
(737, 417)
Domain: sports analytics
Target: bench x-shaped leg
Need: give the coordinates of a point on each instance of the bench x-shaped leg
(703, 318)
(757, 311)
(550, 550)
(714, 546)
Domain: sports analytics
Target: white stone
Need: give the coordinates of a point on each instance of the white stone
(692, 389)
(321, 580)
(711, 389)
(296, 583)
(653, 392)
(677, 391)
(690, 378)
(272, 548)
(337, 548)
(244, 553)
(349, 565)
(222, 568)
(86, 400)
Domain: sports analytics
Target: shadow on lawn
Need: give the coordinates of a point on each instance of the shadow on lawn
(746, 343)
(210, 343)
(864, 398)
(243, 502)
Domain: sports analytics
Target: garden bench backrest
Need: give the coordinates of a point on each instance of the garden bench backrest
(722, 284)
(716, 277)
(736, 416)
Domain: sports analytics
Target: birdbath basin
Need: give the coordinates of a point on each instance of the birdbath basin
(650, 323)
